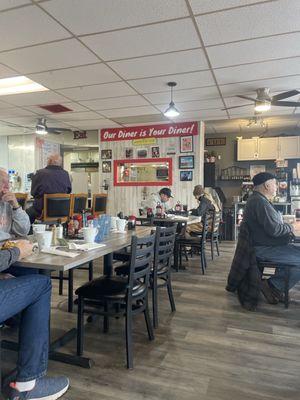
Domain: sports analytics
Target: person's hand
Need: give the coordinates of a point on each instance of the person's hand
(25, 248)
(10, 198)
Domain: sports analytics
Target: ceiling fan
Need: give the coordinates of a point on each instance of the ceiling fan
(264, 100)
(42, 128)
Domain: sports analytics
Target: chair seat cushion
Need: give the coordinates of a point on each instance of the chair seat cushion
(122, 269)
(108, 288)
(122, 255)
(193, 241)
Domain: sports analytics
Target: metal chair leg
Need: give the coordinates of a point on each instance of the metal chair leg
(148, 323)
(80, 326)
(170, 294)
(129, 354)
(70, 290)
(286, 286)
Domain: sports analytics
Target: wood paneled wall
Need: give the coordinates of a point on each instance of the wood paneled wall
(128, 199)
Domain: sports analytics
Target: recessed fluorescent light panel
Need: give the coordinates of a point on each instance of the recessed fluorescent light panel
(19, 84)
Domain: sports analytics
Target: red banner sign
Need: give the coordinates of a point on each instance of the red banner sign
(149, 131)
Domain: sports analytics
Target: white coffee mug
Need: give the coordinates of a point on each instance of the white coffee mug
(39, 227)
(121, 224)
(114, 222)
(44, 239)
(89, 234)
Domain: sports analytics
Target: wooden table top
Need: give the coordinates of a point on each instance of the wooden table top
(114, 242)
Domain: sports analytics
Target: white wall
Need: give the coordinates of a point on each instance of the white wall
(128, 198)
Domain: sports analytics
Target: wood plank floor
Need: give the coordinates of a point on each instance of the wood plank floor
(210, 349)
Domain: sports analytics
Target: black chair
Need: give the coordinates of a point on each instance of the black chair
(263, 265)
(197, 242)
(78, 203)
(117, 296)
(160, 275)
(213, 235)
(56, 207)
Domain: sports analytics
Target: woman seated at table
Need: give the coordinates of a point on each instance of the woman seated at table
(29, 295)
(206, 204)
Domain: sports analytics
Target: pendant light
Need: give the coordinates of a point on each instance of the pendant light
(171, 111)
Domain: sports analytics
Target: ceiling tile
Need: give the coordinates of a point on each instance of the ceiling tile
(195, 105)
(201, 115)
(101, 15)
(49, 56)
(40, 98)
(204, 6)
(72, 106)
(76, 116)
(275, 84)
(131, 111)
(275, 17)
(15, 112)
(22, 121)
(115, 102)
(4, 105)
(255, 50)
(184, 81)
(171, 63)
(210, 92)
(76, 76)
(5, 4)
(142, 120)
(268, 69)
(94, 124)
(6, 72)
(27, 26)
(146, 40)
(98, 91)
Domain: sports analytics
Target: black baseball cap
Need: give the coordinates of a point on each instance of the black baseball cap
(166, 191)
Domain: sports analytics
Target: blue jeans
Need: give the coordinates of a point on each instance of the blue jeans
(29, 295)
(288, 254)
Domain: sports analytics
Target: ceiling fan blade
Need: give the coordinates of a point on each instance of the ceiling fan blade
(286, 103)
(285, 95)
(244, 105)
(58, 130)
(245, 97)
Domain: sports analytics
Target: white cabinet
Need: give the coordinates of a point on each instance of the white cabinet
(289, 147)
(268, 148)
(247, 149)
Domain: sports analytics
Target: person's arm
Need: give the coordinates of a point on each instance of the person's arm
(202, 208)
(20, 222)
(69, 189)
(8, 257)
(268, 218)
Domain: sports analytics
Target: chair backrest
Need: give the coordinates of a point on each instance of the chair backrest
(22, 199)
(99, 204)
(164, 247)
(142, 252)
(78, 203)
(56, 207)
(205, 223)
(216, 219)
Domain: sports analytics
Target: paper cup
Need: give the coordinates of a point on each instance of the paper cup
(44, 239)
(121, 224)
(89, 234)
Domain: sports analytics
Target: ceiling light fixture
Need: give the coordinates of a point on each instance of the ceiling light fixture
(262, 106)
(41, 127)
(171, 111)
(19, 84)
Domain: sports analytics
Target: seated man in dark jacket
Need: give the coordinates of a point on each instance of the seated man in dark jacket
(30, 296)
(270, 236)
(52, 179)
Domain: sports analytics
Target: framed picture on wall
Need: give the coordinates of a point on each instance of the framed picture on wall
(106, 166)
(155, 152)
(186, 162)
(142, 153)
(186, 175)
(128, 152)
(106, 154)
(186, 144)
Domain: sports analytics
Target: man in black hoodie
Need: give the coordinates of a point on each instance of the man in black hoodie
(270, 236)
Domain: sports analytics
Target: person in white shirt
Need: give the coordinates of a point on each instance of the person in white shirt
(163, 197)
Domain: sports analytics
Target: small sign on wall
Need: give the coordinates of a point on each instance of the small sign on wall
(215, 141)
(80, 135)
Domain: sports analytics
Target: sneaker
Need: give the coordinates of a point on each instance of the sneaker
(44, 389)
(268, 293)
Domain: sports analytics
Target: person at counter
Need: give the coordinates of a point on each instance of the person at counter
(29, 295)
(52, 179)
(206, 204)
(270, 236)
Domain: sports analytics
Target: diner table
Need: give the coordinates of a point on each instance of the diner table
(46, 263)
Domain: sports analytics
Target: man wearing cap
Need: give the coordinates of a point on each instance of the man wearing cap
(163, 198)
(270, 236)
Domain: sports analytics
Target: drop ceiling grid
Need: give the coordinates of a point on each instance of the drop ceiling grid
(117, 74)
